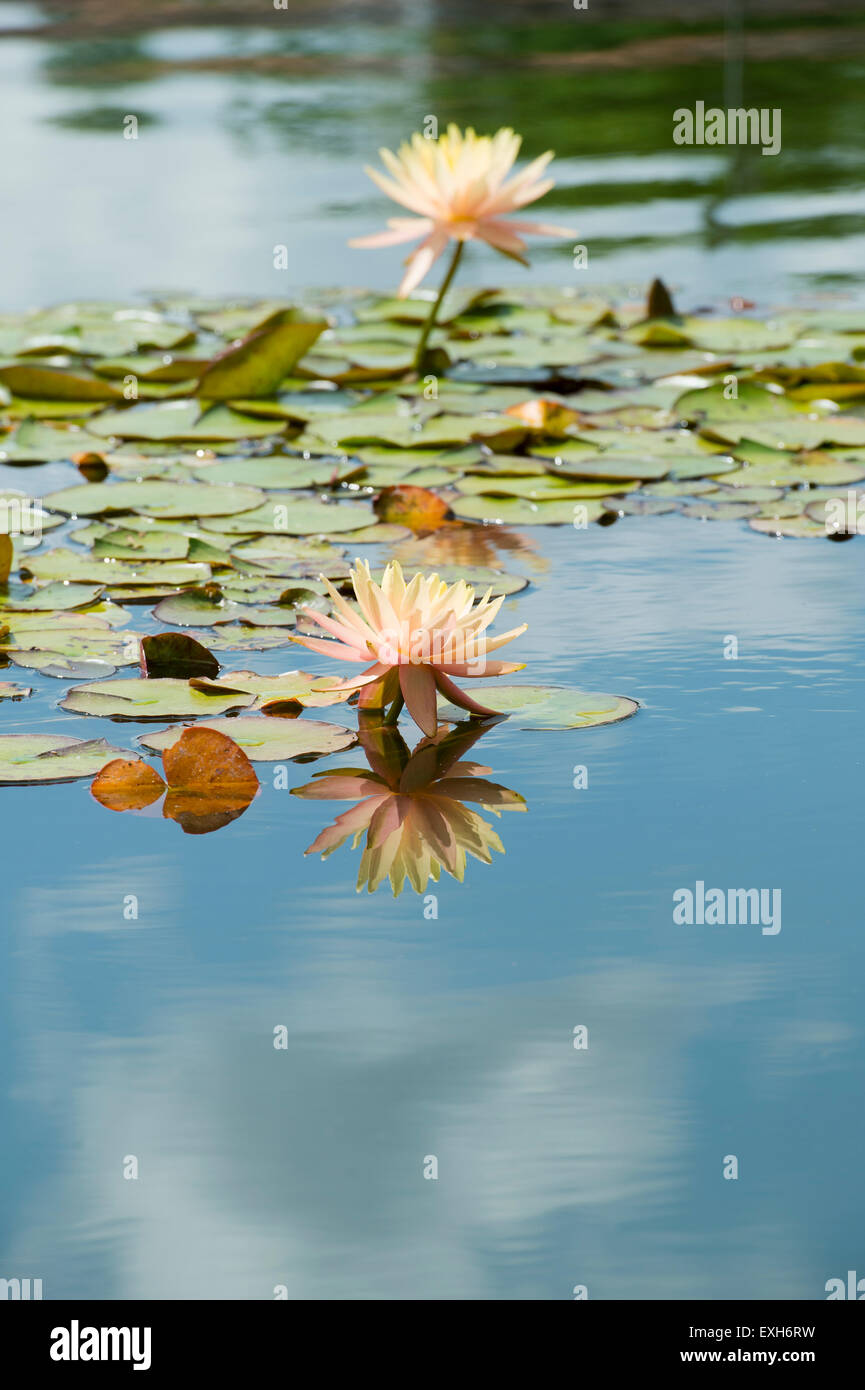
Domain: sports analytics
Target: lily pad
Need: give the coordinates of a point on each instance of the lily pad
(257, 365)
(552, 707)
(66, 565)
(31, 758)
(291, 688)
(176, 654)
(153, 497)
(10, 691)
(516, 511)
(211, 608)
(290, 515)
(647, 466)
(795, 527)
(266, 738)
(53, 596)
(140, 699)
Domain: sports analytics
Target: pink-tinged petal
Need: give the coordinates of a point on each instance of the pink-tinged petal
(349, 823)
(372, 673)
(389, 816)
(421, 262)
(419, 691)
(411, 200)
(399, 230)
(328, 648)
(458, 697)
(500, 236)
(489, 794)
(339, 630)
(490, 668)
(336, 788)
(540, 228)
(434, 827)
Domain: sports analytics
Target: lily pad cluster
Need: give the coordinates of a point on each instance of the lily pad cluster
(206, 463)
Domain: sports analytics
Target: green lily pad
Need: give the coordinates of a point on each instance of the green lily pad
(242, 637)
(37, 442)
(646, 466)
(155, 498)
(516, 511)
(53, 596)
(290, 688)
(534, 489)
(752, 404)
(257, 365)
(122, 544)
(275, 473)
(211, 608)
(136, 698)
(49, 758)
(289, 515)
(796, 527)
(176, 655)
(551, 707)
(10, 691)
(182, 420)
(66, 565)
(265, 738)
(640, 506)
(708, 509)
(480, 577)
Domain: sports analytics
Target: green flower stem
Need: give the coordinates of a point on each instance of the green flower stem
(433, 313)
(395, 710)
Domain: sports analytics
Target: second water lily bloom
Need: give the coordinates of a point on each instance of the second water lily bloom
(418, 635)
(459, 190)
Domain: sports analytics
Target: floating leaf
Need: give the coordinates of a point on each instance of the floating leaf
(10, 691)
(176, 654)
(124, 785)
(139, 699)
(798, 527)
(53, 596)
(156, 498)
(290, 515)
(265, 738)
(208, 607)
(66, 565)
(31, 379)
(256, 366)
(415, 507)
(480, 577)
(292, 688)
(51, 758)
(515, 511)
(120, 544)
(640, 506)
(552, 707)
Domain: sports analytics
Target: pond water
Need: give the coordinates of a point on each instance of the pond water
(411, 1036)
(234, 158)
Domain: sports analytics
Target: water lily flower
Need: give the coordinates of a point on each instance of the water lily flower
(418, 634)
(411, 808)
(459, 188)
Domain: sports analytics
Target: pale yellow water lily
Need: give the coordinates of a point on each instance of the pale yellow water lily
(459, 190)
(418, 635)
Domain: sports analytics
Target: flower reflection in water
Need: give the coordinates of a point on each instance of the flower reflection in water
(411, 806)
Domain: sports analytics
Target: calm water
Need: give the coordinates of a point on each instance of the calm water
(410, 1037)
